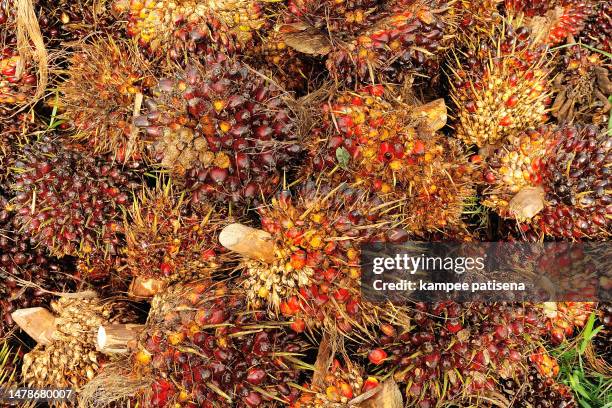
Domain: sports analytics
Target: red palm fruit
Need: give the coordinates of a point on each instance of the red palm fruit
(552, 20)
(580, 87)
(391, 152)
(173, 27)
(493, 343)
(575, 179)
(536, 389)
(563, 318)
(546, 365)
(597, 31)
(169, 239)
(240, 356)
(499, 85)
(104, 82)
(377, 356)
(222, 128)
(70, 202)
(339, 384)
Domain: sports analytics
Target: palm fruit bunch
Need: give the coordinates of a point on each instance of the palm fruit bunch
(537, 391)
(66, 21)
(553, 21)
(553, 177)
(563, 318)
(201, 349)
(103, 89)
(409, 37)
(582, 88)
(173, 27)
(598, 28)
(224, 129)
(17, 79)
(21, 261)
(385, 149)
(464, 346)
(499, 84)
(168, 239)
(71, 359)
(70, 202)
(340, 384)
(315, 276)
(514, 166)
(576, 184)
(362, 39)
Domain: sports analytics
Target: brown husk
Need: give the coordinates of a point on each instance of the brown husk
(112, 386)
(30, 44)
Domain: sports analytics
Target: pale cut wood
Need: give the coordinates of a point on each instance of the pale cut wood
(117, 338)
(145, 288)
(38, 322)
(248, 242)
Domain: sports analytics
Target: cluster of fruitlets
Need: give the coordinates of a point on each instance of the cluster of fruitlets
(390, 154)
(456, 344)
(499, 85)
(312, 279)
(339, 385)
(170, 240)
(189, 190)
(568, 164)
(203, 349)
(68, 202)
(229, 132)
(540, 392)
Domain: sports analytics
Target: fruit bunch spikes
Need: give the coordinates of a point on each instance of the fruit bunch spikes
(169, 239)
(103, 119)
(499, 84)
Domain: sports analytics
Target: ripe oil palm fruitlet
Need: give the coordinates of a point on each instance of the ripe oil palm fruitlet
(191, 192)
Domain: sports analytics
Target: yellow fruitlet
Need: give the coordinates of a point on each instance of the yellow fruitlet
(219, 105)
(143, 357)
(175, 338)
(263, 292)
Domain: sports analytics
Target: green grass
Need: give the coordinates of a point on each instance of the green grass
(7, 359)
(591, 389)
